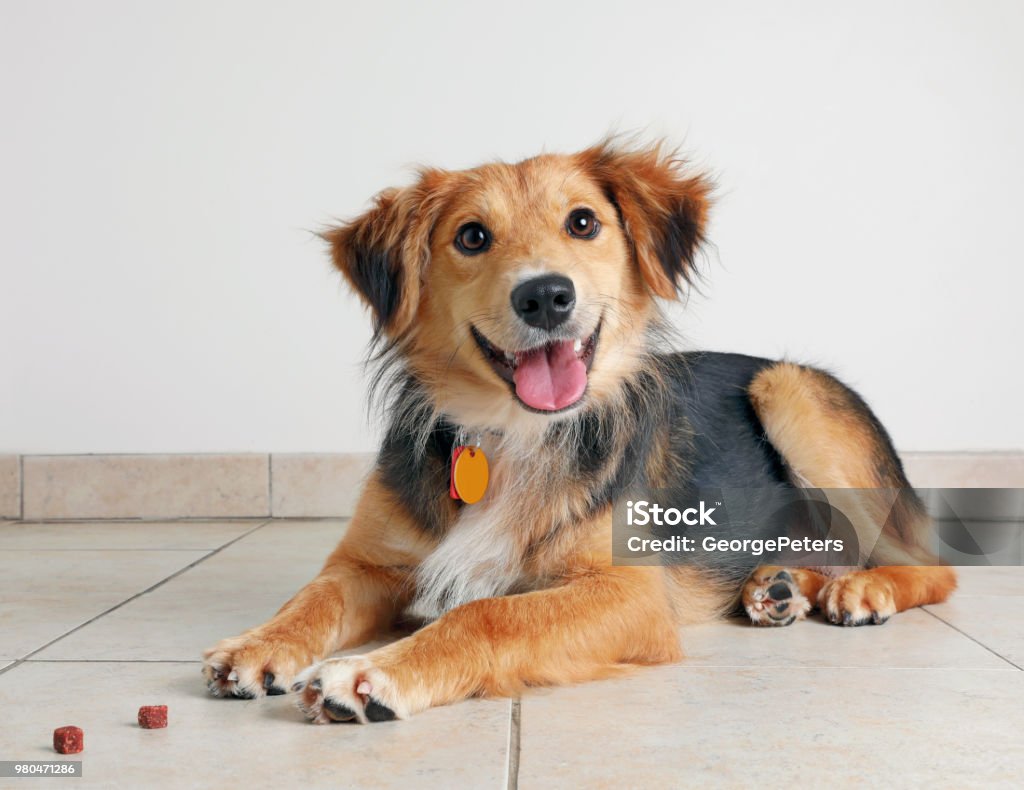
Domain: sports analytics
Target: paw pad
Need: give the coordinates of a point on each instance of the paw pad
(774, 600)
(347, 689)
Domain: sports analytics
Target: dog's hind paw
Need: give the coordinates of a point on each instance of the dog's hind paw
(859, 598)
(772, 596)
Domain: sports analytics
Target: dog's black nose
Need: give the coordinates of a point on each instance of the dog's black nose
(544, 302)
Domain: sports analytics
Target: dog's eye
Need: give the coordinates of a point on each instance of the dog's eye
(472, 238)
(582, 224)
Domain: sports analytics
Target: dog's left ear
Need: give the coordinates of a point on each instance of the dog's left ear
(663, 210)
(385, 252)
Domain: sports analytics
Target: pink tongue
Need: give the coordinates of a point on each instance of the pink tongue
(552, 378)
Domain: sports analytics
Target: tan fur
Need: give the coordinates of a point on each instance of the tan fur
(537, 599)
(827, 443)
(359, 592)
(524, 205)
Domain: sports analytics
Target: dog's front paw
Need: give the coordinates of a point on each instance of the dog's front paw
(859, 598)
(348, 689)
(772, 597)
(253, 664)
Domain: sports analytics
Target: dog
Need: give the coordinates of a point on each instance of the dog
(517, 314)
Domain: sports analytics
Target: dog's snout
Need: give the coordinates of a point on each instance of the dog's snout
(544, 302)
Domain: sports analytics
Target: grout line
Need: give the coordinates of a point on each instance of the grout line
(137, 595)
(833, 667)
(176, 519)
(206, 454)
(110, 661)
(270, 484)
(964, 633)
(107, 548)
(514, 733)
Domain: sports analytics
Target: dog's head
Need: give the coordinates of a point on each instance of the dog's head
(518, 294)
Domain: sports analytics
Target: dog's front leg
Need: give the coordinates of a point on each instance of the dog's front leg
(598, 622)
(355, 596)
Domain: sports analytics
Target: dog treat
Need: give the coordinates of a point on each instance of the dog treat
(68, 740)
(153, 717)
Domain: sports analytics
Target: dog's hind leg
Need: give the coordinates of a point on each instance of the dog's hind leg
(829, 439)
(780, 596)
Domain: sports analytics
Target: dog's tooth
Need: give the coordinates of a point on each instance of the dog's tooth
(577, 346)
(510, 358)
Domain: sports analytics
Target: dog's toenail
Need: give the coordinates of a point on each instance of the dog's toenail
(298, 686)
(364, 687)
(847, 619)
(316, 683)
(268, 680)
(233, 677)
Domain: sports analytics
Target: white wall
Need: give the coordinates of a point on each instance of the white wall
(161, 166)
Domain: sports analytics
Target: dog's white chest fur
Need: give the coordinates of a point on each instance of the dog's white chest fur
(478, 558)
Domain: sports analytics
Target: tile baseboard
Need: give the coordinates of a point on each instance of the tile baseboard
(312, 485)
(965, 469)
(58, 487)
(299, 485)
(10, 486)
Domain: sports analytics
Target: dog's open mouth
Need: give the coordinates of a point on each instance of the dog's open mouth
(547, 378)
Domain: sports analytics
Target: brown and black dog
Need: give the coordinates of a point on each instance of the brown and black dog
(516, 307)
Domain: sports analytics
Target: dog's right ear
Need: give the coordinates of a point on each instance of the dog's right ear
(385, 252)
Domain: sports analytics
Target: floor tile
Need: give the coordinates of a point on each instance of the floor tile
(989, 581)
(911, 639)
(240, 587)
(693, 726)
(44, 594)
(997, 622)
(123, 535)
(231, 743)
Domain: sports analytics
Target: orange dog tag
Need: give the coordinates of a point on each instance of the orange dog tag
(470, 473)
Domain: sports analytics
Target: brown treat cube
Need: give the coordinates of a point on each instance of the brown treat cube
(153, 717)
(68, 740)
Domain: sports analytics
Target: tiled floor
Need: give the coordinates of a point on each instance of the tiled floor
(97, 619)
